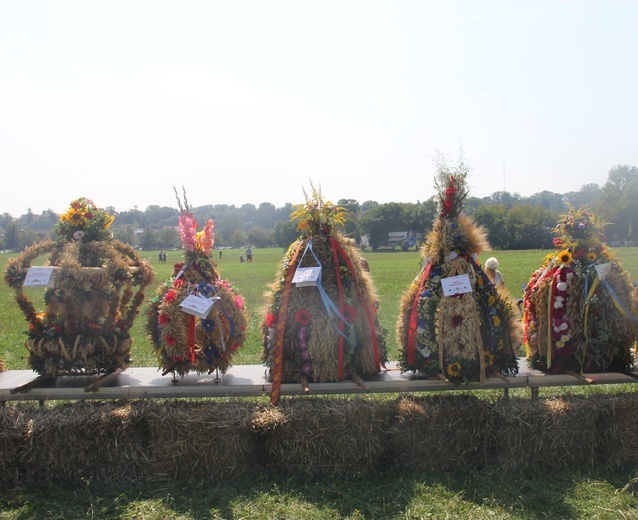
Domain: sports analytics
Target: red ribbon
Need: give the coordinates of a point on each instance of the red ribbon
(280, 330)
(414, 315)
(335, 257)
(191, 338)
(335, 246)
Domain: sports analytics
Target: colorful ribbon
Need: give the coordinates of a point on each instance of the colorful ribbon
(414, 314)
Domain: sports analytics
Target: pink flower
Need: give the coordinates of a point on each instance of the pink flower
(239, 302)
(188, 231)
(271, 320)
(302, 316)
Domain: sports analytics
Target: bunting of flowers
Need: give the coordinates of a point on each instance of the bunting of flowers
(463, 337)
(327, 332)
(182, 341)
(99, 286)
(579, 312)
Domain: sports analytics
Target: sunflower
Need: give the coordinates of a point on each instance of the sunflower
(489, 358)
(496, 320)
(592, 256)
(565, 257)
(454, 369)
(74, 216)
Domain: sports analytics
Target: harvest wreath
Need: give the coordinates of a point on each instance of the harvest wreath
(579, 310)
(325, 328)
(206, 341)
(92, 304)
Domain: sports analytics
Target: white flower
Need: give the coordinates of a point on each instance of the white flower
(561, 286)
(451, 256)
(558, 302)
(78, 235)
(475, 256)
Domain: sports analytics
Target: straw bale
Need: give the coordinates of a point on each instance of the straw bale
(323, 436)
(554, 433)
(102, 441)
(618, 429)
(200, 439)
(13, 434)
(441, 432)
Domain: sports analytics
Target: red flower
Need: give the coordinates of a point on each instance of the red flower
(302, 316)
(163, 319)
(170, 340)
(349, 313)
(271, 319)
(170, 296)
(457, 320)
(178, 283)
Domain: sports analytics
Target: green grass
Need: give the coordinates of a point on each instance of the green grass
(486, 493)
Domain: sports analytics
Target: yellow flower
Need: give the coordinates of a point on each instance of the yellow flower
(491, 300)
(591, 256)
(454, 369)
(489, 358)
(74, 216)
(496, 320)
(565, 257)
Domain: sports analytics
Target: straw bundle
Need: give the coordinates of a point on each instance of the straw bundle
(327, 331)
(182, 341)
(99, 286)
(14, 424)
(441, 432)
(553, 433)
(460, 336)
(619, 429)
(323, 436)
(580, 314)
(104, 441)
(199, 439)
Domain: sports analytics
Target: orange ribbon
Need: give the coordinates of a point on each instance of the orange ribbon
(280, 330)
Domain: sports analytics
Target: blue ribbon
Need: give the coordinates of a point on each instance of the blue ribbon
(627, 313)
(331, 308)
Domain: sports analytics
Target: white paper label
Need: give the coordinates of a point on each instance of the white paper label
(198, 305)
(456, 285)
(306, 276)
(603, 270)
(39, 277)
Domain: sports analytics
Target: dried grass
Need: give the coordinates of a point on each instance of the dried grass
(441, 432)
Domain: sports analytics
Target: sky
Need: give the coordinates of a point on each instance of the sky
(251, 101)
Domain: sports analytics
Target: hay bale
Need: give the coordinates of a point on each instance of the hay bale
(203, 439)
(81, 440)
(14, 423)
(553, 433)
(323, 436)
(618, 430)
(441, 432)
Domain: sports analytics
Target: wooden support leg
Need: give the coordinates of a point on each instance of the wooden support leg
(534, 392)
(355, 377)
(31, 384)
(102, 380)
(580, 376)
(303, 379)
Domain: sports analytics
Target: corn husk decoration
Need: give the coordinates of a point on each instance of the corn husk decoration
(99, 286)
(579, 312)
(328, 330)
(207, 341)
(459, 336)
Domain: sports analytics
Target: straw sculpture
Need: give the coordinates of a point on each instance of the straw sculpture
(454, 324)
(197, 321)
(579, 313)
(98, 288)
(324, 329)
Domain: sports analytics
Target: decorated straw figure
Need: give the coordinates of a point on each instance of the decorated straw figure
(98, 289)
(454, 324)
(578, 314)
(197, 321)
(325, 329)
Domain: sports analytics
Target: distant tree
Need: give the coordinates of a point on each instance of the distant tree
(125, 234)
(11, 236)
(227, 226)
(548, 200)
(493, 218)
(168, 238)
(586, 196)
(529, 227)
(148, 239)
(351, 228)
(285, 233)
(257, 237)
(368, 205)
(378, 222)
(266, 215)
(238, 238)
(28, 237)
(617, 204)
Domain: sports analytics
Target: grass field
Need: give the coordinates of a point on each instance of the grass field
(486, 493)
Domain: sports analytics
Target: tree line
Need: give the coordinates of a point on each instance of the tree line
(511, 220)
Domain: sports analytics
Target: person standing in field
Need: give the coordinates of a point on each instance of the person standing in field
(492, 272)
(249, 255)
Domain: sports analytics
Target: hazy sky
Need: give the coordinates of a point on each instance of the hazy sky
(249, 101)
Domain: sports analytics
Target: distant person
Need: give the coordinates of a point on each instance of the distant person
(164, 257)
(241, 259)
(160, 256)
(495, 276)
(249, 255)
(220, 254)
